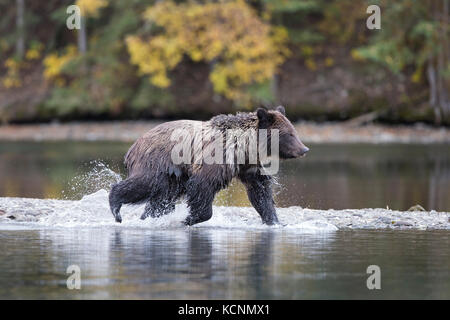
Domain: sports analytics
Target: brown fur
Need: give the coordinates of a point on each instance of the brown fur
(154, 178)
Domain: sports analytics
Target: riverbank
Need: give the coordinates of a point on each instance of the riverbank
(310, 132)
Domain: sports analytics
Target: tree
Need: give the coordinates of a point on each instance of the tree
(241, 49)
(20, 24)
(414, 34)
(88, 8)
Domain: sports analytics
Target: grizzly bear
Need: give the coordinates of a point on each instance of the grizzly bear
(154, 177)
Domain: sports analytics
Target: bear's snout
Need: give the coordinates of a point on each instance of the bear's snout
(300, 151)
(303, 150)
(293, 152)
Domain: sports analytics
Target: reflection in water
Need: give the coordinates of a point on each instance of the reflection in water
(331, 176)
(438, 190)
(202, 263)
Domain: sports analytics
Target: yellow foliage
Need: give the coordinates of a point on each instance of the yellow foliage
(15, 66)
(54, 63)
(240, 47)
(91, 7)
(12, 77)
(307, 51)
(356, 55)
(3, 45)
(310, 64)
(12, 64)
(34, 52)
(329, 62)
(417, 76)
(11, 82)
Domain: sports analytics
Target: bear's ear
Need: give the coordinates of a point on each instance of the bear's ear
(264, 117)
(281, 110)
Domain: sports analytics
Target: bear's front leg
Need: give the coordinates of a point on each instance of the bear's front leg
(259, 191)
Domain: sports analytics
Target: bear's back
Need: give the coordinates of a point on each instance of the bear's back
(154, 148)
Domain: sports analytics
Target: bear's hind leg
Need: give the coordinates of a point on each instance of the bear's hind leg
(130, 190)
(155, 208)
(163, 198)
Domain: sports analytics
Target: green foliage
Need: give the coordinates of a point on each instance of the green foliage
(341, 20)
(305, 37)
(148, 95)
(408, 37)
(262, 93)
(136, 50)
(388, 53)
(289, 6)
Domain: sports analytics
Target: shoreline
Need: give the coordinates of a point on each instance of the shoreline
(310, 132)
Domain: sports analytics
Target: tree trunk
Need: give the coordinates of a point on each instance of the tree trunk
(432, 83)
(82, 39)
(20, 24)
(274, 88)
(443, 59)
(437, 82)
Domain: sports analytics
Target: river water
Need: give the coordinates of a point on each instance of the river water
(330, 176)
(210, 263)
(318, 254)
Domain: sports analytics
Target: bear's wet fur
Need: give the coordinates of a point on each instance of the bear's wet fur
(154, 179)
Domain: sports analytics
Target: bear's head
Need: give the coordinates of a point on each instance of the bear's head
(290, 145)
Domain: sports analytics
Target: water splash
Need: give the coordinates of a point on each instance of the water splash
(97, 176)
(93, 210)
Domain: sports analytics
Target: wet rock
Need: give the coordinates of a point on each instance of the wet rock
(403, 224)
(385, 220)
(417, 207)
(93, 210)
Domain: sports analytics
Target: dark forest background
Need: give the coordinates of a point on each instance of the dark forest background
(141, 59)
